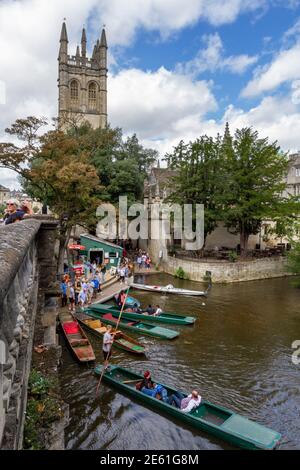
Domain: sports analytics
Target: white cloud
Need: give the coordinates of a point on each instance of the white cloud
(285, 67)
(152, 103)
(2, 92)
(29, 38)
(123, 19)
(277, 118)
(212, 58)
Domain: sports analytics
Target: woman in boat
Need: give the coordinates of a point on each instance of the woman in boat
(185, 404)
(146, 383)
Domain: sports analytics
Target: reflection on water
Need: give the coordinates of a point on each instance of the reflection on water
(238, 354)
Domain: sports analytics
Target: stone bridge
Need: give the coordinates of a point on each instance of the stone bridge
(27, 296)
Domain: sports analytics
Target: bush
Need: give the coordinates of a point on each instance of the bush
(181, 274)
(42, 409)
(232, 256)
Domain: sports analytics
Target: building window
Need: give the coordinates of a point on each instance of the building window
(298, 171)
(92, 96)
(74, 93)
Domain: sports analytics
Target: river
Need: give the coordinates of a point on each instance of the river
(238, 354)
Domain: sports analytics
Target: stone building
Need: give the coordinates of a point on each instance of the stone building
(82, 82)
(293, 176)
(4, 194)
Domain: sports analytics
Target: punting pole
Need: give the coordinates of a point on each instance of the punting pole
(117, 325)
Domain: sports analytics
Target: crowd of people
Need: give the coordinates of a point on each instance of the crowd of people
(142, 259)
(14, 211)
(84, 288)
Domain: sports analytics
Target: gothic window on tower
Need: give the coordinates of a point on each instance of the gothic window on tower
(74, 93)
(92, 96)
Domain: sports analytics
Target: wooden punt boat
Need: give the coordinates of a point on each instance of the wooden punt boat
(171, 318)
(121, 341)
(169, 289)
(76, 338)
(213, 419)
(139, 327)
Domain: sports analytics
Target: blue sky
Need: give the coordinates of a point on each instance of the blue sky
(177, 68)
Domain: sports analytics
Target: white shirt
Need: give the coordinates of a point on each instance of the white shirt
(158, 311)
(193, 403)
(106, 341)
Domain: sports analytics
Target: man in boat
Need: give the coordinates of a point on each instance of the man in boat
(158, 311)
(149, 310)
(108, 340)
(185, 404)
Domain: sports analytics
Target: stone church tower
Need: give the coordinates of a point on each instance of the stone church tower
(82, 82)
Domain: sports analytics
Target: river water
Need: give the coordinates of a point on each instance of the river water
(238, 354)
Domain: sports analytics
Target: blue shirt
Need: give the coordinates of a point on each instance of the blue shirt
(95, 283)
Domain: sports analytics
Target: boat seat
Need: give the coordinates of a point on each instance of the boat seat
(94, 323)
(101, 330)
(75, 336)
(79, 342)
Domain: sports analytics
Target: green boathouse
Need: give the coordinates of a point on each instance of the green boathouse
(101, 251)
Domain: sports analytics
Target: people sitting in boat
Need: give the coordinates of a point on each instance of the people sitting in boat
(158, 311)
(185, 404)
(134, 309)
(149, 310)
(161, 393)
(158, 391)
(146, 382)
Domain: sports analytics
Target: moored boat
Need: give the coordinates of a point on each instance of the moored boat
(169, 289)
(213, 419)
(76, 338)
(121, 341)
(165, 317)
(130, 301)
(138, 327)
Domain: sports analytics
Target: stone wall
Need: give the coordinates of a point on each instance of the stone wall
(27, 272)
(224, 271)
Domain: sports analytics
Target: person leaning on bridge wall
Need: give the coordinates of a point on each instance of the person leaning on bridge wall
(13, 213)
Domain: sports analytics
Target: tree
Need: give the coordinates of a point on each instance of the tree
(73, 171)
(198, 165)
(254, 181)
(293, 260)
(56, 170)
(121, 166)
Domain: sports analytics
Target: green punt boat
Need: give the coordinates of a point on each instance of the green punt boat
(135, 326)
(171, 318)
(213, 419)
